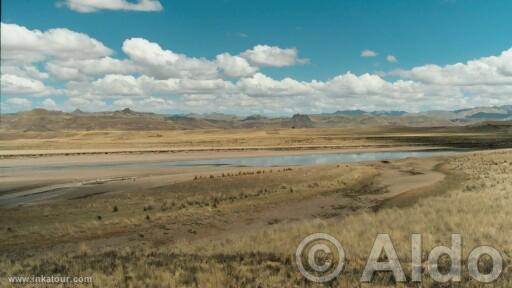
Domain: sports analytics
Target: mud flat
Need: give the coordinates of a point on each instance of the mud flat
(26, 181)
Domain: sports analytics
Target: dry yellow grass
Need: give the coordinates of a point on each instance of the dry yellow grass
(479, 211)
(202, 199)
(12, 140)
(281, 139)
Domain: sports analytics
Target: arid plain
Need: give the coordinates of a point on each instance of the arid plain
(236, 225)
(258, 144)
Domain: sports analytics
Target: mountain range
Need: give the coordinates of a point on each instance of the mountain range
(127, 119)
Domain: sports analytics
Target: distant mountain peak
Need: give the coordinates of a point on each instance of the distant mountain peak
(254, 117)
(350, 112)
(359, 112)
(301, 121)
(39, 110)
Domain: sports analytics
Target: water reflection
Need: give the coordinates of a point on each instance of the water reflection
(265, 161)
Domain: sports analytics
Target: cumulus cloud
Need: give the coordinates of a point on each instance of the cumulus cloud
(153, 78)
(21, 45)
(124, 102)
(368, 53)
(87, 104)
(351, 85)
(86, 6)
(493, 70)
(64, 73)
(261, 85)
(264, 55)
(235, 66)
(154, 61)
(122, 86)
(79, 69)
(27, 71)
(49, 104)
(186, 86)
(17, 85)
(19, 102)
(14, 104)
(117, 85)
(150, 104)
(391, 59)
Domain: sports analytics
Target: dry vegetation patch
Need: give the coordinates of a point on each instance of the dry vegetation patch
(479, 210)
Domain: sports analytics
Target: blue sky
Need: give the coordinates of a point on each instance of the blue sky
(331, 35)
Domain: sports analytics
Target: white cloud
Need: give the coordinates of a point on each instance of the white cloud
(72, 69)
(64, 73)
(154, 61)
(153, 103)
(154, 78)
(261, 85)
(264, 55)
(186, 86)
(149, 104)
(15, 104)
(110, 86)
(493, 70)
(19, 102)
(87, 104)
(368, 53)
(16, 85)
(348, 85)
(21, 45)
(124, 102)
(27, 71)
(117, 85)
(49, 104)
(235, 66)
(85, 6)
(391, 59)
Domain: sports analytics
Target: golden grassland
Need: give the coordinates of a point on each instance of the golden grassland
(284, 138)
(196, 203)
(13, 140)
(478, 208)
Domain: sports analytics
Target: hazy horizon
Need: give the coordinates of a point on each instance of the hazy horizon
(247, 115)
